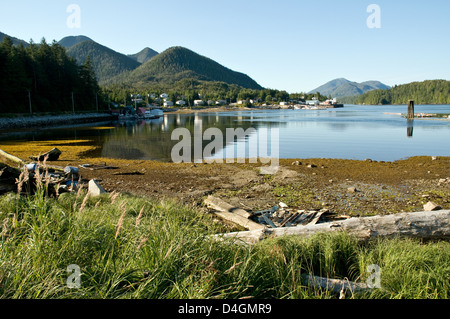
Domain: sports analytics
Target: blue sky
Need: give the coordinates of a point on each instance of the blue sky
(294, 45)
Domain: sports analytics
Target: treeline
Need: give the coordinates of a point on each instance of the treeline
(46, 77)
(190, 90)
(426, 92)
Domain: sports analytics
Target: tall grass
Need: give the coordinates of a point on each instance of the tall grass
(133, 247)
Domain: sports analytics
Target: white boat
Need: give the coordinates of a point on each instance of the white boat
(156, 113)
(148, 114)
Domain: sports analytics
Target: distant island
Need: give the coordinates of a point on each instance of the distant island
(342, 87)
(426, 92)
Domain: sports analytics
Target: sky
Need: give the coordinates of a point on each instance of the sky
(292, 45)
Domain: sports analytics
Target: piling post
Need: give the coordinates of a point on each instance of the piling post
(410, 110)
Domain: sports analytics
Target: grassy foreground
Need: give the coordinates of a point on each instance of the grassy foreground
(133, 247)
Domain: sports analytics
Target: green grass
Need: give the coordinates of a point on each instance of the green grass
(167, 252)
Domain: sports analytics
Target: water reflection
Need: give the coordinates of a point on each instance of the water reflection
(352, 132)
(410, 128)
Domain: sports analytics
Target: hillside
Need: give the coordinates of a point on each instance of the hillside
(143, 56)
(178, 63)
(107, 63)
(14, 40)
(426, 92)
(342, 87)
(43, 78)
(70, 41)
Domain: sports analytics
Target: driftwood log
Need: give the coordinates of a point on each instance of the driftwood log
(11, 158)
(233, 214)
(337, 286)
(421, 225)
(52, 155)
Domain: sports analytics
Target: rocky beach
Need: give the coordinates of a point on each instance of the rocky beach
(347, 187)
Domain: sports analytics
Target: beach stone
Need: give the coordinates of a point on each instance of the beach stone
(296, 163)
(430, 206)
(352, 189)
(434, 158)
(95, 189)
(283, 205)
(312, 166)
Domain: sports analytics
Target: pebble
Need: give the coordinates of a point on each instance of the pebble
(430, 206)
(352, 190)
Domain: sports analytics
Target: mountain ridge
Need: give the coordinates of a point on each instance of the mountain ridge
(106, 62)
(178, 63)
(71, 41)
(342, 87)
(144, 55)
(15, 41)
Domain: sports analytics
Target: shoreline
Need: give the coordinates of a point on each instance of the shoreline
(381, 187)
(11, 123)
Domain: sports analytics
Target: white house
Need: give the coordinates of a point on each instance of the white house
(221, 102)
(168, 103)
(164, 96)
(199, 103)
(314, 101)
(181, 103)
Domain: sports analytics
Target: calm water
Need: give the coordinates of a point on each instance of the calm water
(353, 132)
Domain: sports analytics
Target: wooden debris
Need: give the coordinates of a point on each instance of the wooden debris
(337, 286)
(128, 173)
(233, 214)
(222, 206)
(421, 225)
(92, 167)
(11, 158)
(53, 155)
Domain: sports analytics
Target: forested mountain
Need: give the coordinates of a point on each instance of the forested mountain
(107, 63)
(178, 63)
(14, 40)
(343, 87)
(45, 75)
(70, 41)
(143, 56)
(426, 92)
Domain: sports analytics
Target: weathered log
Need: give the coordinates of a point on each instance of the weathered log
(11, 158)
(241, 221)
(337, 286)
(223, 206)
(53, 155)
(232, 214)
(420, 225)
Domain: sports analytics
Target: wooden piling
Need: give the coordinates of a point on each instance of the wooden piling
(410, 110)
